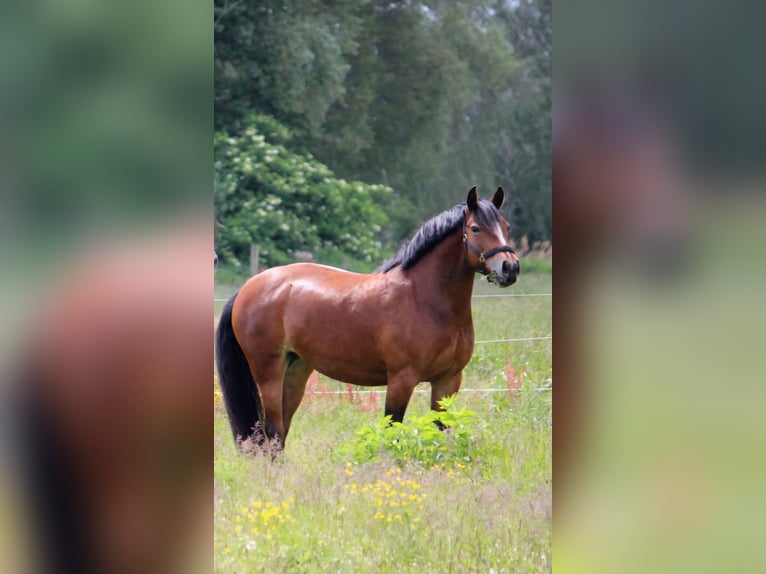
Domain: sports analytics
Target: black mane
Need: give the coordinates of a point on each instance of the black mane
(434, 231)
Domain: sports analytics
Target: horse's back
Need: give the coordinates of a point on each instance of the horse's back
(300, 286)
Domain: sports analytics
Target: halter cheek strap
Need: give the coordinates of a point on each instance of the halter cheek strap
(483, 256)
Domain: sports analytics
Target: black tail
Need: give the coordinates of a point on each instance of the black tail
(243, 403)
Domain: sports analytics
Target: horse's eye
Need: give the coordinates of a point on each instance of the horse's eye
(475, 229)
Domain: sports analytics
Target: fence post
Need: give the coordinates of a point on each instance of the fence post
(255, 252)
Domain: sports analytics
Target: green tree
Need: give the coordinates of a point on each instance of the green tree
(527, 154)
(285, 58)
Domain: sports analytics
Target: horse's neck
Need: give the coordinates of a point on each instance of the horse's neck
(444, 280)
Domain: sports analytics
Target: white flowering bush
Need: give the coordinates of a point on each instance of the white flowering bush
(284, 201)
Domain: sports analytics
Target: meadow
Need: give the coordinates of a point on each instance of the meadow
(479, 502)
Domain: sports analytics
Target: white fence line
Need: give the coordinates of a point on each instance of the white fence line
(382, 391)
(512, 295)
(473, 297)
(514, 340)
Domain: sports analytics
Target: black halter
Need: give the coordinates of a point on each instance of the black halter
(486, 254)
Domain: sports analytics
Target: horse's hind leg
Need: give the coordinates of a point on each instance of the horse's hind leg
(296, 375)
(268, 376)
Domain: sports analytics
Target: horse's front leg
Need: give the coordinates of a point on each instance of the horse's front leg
(444, 387)
(398, 394)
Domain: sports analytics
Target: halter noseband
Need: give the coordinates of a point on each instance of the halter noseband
(486, 254)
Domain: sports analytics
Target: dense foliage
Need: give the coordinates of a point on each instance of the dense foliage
(419, 439)
(428, 98)
(288, 202)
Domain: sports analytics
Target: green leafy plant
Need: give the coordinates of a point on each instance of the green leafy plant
(420, 439)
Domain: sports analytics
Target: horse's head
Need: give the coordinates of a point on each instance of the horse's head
(485, 236)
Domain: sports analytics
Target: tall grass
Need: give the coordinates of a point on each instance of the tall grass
(315, 510)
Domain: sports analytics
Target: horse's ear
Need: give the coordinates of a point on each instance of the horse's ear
(473, 200)
(499, 198)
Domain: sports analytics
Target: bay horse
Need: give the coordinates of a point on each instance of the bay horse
(406, 323)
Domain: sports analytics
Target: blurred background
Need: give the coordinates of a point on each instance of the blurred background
(106, 290)
(658, 155)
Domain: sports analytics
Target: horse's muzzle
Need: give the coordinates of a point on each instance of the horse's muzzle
(509, 272)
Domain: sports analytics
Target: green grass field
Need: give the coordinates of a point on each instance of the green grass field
(315, 510)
